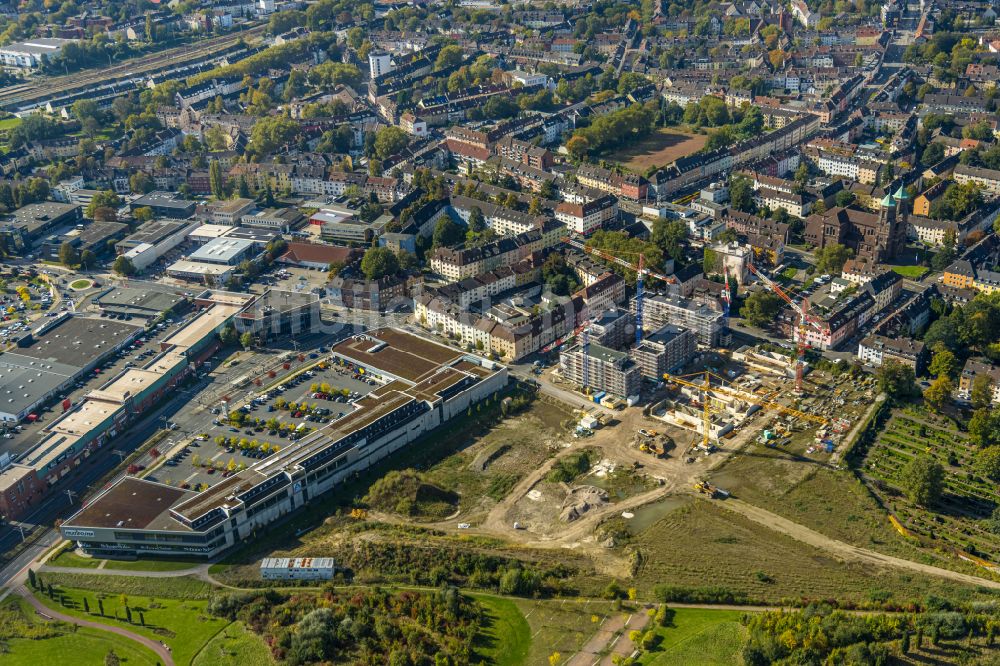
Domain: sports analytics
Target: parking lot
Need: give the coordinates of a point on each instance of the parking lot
(271, 420)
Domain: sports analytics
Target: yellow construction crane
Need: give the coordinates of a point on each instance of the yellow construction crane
(705, 386)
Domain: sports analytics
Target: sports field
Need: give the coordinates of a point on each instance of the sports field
(658, 149)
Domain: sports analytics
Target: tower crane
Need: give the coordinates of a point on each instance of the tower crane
(705, 386)
(640, 272)
(805, 321)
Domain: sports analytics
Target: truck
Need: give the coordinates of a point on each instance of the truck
(713, 492)
(599, 396)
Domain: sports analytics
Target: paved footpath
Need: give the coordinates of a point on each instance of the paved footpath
(161, 651)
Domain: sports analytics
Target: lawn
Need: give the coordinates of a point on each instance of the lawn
(64, 644)
(790, 273)
(911, 272)
(504, 637)
(69, 558)
(658, 149)
(80, 284)
(234, 646)
(698, 638)
(183, 625)
(152, 565)
(8, 124)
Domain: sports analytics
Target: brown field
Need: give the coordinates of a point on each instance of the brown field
(659, 149)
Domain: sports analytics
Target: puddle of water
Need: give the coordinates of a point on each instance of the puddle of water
(647, 515)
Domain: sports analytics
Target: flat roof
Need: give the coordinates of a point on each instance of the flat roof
(38, 46)
(404, 355)
(202, 326)
(198, 268)
(77, 341)
(148, 300)
(155, 231)
(162, 200)
(130, 504)
(221, 250)
(23, 380)
(211, 231)
(84, 417)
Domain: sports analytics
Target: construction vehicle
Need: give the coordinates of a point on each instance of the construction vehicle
(713, 492)
(705, 387)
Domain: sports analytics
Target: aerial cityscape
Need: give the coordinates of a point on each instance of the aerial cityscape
(457, 333)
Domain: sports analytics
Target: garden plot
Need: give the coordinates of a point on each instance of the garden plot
(959, 521)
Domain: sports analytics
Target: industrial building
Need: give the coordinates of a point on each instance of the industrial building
(153, 240)
(52, 357)
(29, 223)
(607, 370)
(667, 350)
(226, 251)
(279, 312)
(423, 385)
(165, 204)
(297, 568)
(148, 301)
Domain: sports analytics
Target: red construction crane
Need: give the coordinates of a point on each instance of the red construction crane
(805, 320)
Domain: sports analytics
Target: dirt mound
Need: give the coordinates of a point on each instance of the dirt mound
(408, 493)
(580, 500)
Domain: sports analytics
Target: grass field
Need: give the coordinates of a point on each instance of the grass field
(658, 149)
(80, 284)
(9, 123)
(182, 624)
(562, 626)
(234, 646)
(702, 545)
(504, 637)
(84, 647)
(183, 587)
(698, 638)
(911, 272)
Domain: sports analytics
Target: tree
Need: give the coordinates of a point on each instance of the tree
(246, 340)
(669, 235)
(831, 259)
(32, 579)
(111, 659)
(88, 259)
(150, 29)
(741, 194)
(123, 266)
(578, 146)
(943, 363)
(760, 307)
(379, 262)
(922, 479)
(477, 222)
(845, 198)
(228, 335)
(709, 261)
(143, 214)
(447, 233)
(389, 141)
(981, 393)
(216, 183)
(449, 56)
(984, 427)
(939, 392)
(103, 199)
(68, 255)
(896, 380)
(988, 462)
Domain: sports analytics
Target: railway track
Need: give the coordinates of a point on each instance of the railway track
(52, 87)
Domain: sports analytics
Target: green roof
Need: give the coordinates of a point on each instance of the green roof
(888, 201)
(901, 194)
